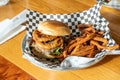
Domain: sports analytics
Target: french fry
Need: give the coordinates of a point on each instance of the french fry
(88, 44)
(103, 40)
(113, 47)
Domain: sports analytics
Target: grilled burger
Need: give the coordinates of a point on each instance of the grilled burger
(47, 39)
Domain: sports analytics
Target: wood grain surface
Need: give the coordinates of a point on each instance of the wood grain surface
(107, 69)
(9, 71)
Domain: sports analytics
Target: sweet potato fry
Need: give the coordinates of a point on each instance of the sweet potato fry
(92, 53)
(103, 40)
(97, 44)
(88, 44)
(113, 47)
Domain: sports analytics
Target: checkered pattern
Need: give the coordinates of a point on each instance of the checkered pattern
(91, 16)
(112, 3)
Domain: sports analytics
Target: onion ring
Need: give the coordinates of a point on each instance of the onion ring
(58, 42)
(38, 36)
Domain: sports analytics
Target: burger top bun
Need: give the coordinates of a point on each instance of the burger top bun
(54, 28)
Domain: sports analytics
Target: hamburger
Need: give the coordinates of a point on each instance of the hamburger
(48, 39)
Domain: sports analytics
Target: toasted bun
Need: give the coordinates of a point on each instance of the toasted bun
(54, 28)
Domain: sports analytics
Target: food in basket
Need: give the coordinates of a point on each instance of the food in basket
(47, 39)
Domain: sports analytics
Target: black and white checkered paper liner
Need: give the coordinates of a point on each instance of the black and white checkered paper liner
(91, 16)
(113, 3)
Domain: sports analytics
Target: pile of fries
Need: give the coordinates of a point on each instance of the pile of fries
(88, 44)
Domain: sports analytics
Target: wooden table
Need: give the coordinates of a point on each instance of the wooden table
(107, 69)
